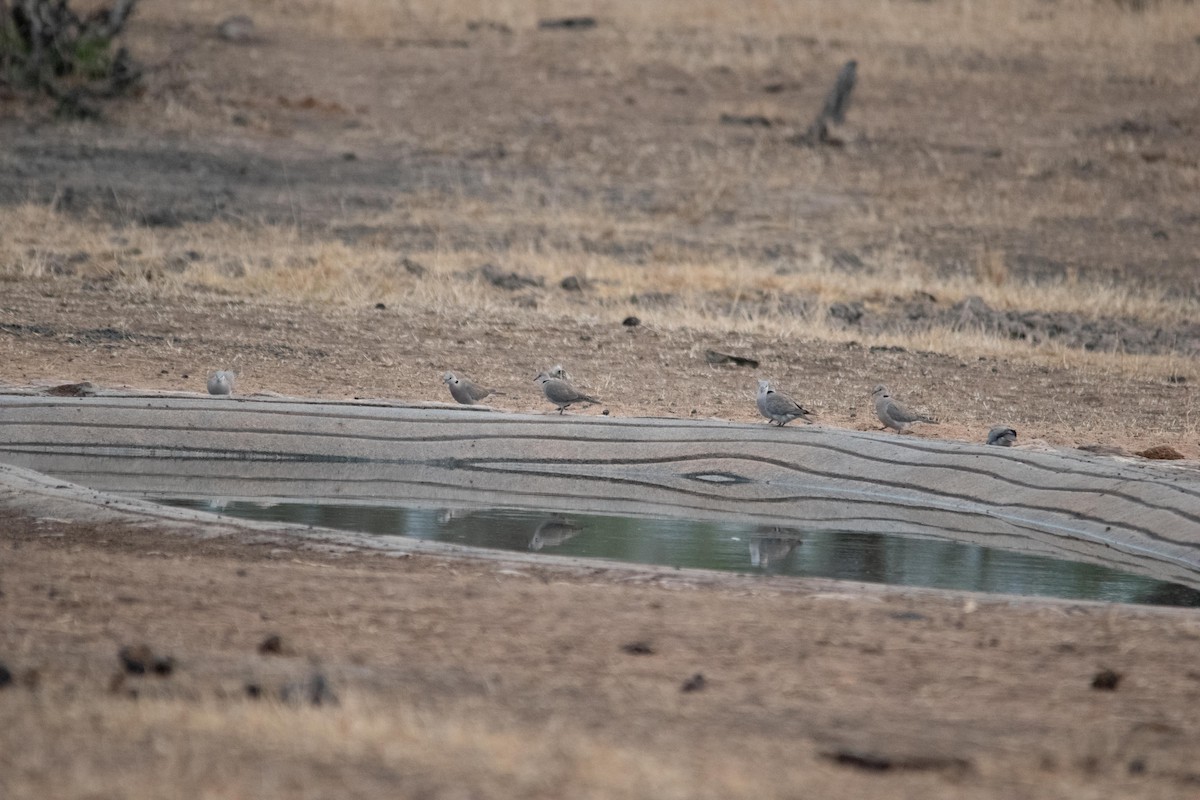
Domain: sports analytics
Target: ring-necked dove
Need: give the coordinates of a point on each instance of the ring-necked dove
(778, 407)
(1002, 436)
(221, 382)
(464, 391)
(561, 393)
(892, 413)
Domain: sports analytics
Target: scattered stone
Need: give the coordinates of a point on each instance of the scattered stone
(381, 306)
(511, 281)
(1161, 452)
(238, 29)
(272, 645)
(849, 313)
(693, 684)
(349, 155)
(6, 677)
(254, 691)
(1106, 680)
(716, 358)
(1178, 380)
(877, 762)
(567, 23)
(1137, 767)
(631, 322)
(82, 389)
(1104, 449)
(139, 659)
(749, 120)
(638, 648)
(573, 283)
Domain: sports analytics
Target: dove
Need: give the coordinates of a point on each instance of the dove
(1002, 436)
(892, 413)
(554, 532)
(464, 391)
(561, 393)
(778, 407)
(221, 382)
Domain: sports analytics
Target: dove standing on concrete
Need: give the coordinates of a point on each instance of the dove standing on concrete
(464, 391)
(221, 382)
(561, 393)
(779, 408)
(894, 414)
(1002, 436)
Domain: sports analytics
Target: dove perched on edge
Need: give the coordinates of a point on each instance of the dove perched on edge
(561, 393)
(221, 382)
(892, 413)
(778, 407)
(464, 391)
(1002, 436)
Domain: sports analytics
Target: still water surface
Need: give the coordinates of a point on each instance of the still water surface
(871, 558)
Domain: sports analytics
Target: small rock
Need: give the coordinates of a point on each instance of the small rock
(272, 645)
(693, 684)
(6, 677)
(254, 691)
(82, 389)
(638, 648)
(567, 23)
(1106, 680)
(849, 313)
(1162, 452)
(572, 283)
(511, 281)
(749, 120)
(139, 659)
(381, 306)
(714, 357)
(238, 29)
(631, 322)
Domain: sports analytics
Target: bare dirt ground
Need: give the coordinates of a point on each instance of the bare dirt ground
(1008, 233)
(461, 679)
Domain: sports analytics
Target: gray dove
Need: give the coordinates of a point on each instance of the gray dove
(778, 407)
(464, 391)
(1002, 436)
(561, 393)
(221, 382)
(554, 532)
(892, 413)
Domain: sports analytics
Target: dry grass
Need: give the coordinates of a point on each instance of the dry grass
(717, 295)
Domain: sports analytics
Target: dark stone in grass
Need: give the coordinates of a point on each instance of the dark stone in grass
(631, 322)
(272, 645)
(139, 659)
(567, 23)
(638, 648)
(1106, 680)
(6, 677)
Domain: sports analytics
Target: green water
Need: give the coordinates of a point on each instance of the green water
(871, 558)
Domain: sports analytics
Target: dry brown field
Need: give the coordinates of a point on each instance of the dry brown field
(1006, 232)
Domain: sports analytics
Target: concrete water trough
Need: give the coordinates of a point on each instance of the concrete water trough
(1135, 517)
